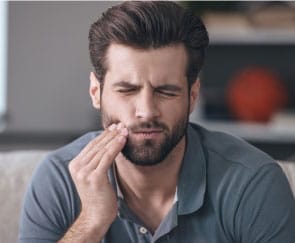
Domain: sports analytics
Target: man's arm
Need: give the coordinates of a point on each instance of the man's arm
(76, 204)
(98, 199)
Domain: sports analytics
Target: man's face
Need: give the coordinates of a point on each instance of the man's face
(147, 91)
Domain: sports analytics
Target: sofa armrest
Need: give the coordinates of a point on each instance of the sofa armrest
(289, 169)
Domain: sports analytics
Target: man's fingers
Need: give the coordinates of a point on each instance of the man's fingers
(92, 148)
(97, 143)
(111, 152)
(95, 146)
(99, 140)
(112, 143)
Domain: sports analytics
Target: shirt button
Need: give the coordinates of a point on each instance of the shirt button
(142, 230)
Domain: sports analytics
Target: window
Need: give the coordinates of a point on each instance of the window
(3, 61)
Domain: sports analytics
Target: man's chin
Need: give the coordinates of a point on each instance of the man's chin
(143, 161)
(144, 155)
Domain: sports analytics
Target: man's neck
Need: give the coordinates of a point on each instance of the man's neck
(150, 187)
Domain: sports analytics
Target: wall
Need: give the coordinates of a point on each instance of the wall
(48, 67)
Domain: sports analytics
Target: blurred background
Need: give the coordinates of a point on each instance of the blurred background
(248, 81)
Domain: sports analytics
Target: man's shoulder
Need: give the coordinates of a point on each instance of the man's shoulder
(227, 148)
(71, 150)
(63, 155)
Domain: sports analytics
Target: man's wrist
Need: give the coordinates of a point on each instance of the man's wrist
(85, 230)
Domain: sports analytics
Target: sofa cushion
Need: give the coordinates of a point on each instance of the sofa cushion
(15, 171)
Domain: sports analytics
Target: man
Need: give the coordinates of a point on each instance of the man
(150, 176)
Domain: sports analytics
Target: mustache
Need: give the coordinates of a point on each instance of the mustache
(147, 125)
(154, 124)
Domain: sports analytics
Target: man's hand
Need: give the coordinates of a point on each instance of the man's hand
(98, 199)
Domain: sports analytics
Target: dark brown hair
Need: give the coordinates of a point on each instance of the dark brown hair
(148, 24)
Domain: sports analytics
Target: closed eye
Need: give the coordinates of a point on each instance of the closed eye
(129, 90)
(169, 90)
(167, 93)
(125, 87)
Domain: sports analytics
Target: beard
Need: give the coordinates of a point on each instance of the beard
(148, 152)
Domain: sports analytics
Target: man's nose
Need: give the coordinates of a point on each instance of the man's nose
(147, 107)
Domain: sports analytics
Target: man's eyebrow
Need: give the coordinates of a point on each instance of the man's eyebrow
(169, 87)
(124, 84)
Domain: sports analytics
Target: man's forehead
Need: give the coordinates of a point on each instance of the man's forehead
(162, 62)
(118, 51)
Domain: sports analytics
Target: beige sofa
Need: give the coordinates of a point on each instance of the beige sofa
(15, 171)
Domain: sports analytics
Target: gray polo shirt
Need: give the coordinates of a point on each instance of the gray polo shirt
(228, 191)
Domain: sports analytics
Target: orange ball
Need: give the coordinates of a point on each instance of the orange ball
(255, 94)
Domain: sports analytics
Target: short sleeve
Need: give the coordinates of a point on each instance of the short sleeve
(50, 205)
(266, 211)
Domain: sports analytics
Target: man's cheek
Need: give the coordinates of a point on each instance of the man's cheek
(108, 120)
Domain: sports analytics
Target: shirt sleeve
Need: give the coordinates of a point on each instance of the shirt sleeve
(266, 211)
(50, 205)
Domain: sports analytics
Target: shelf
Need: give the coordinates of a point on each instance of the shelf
(280, 130)
(263, 36)
(254, 132)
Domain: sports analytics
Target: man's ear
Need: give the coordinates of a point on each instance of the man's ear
(94, 91)
(194, 93)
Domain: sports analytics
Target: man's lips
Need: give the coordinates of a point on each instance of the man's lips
(147, 130)
(147, 133)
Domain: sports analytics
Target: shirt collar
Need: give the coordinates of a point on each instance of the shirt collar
(116, 184)
(192, 178)
(118, 189)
